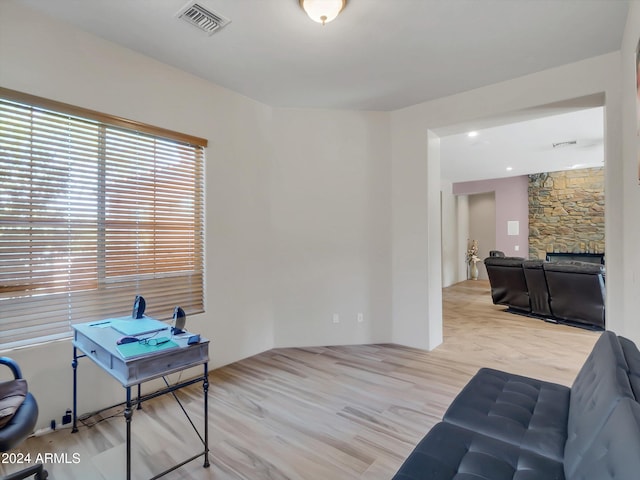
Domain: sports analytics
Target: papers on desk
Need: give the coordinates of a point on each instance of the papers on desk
(137, 349)
(138, 326)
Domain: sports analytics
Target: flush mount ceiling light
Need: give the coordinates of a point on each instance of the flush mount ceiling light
(322, 11)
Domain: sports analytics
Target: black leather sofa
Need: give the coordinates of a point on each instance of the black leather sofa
(537, 287)
(568, 292)
(576, 292)
(508, 283)
(504, 426)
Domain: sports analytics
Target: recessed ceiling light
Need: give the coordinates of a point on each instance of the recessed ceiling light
(509, 169)
(472, 134)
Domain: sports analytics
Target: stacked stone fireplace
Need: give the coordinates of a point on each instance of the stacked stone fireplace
(566, 212)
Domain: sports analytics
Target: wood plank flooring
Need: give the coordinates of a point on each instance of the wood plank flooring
(345, 412)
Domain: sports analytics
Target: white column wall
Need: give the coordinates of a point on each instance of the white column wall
(626, 179)
(463, 235)
(482, 226)
(412, 248)
(449, 217)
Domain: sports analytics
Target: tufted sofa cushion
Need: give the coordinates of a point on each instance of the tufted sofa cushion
(505, 426)
(600, 384)
(607, 349)
(632, 356)
(449, 452)
(526, 412)
(614, 453)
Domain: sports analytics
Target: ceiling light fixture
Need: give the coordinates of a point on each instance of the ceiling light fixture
(472, 134)
(322, 11)
(509, 169)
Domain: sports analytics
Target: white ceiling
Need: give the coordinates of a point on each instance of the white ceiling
(525, 147)
(383, 55)
(377, 55)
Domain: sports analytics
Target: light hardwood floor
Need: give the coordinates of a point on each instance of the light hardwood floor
(327, 413)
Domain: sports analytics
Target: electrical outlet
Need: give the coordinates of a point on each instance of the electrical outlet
(66, 418)
(360, 318)
(336, 318)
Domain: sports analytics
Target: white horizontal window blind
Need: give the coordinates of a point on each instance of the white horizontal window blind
(91, 214)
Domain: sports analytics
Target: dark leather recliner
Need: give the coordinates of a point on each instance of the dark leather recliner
(537, 286)
(508, 284)
(20, 427)
(496, 253)
(577, 292)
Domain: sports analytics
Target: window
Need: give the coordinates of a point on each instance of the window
(93, 210)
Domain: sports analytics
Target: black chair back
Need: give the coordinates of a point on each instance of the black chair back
(577, 292)
(537, 286)
(19, 427)
(508, 284)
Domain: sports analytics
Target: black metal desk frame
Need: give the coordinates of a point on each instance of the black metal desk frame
(83, 341)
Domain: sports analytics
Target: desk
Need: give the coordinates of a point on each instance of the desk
(97, 341)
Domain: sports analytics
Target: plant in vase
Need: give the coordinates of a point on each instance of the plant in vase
(473, 258)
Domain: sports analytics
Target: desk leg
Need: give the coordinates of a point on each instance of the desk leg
(127, 415)
(74, 364)
(205, 387)
(139, 402)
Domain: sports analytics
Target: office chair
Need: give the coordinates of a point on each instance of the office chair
(20, 427)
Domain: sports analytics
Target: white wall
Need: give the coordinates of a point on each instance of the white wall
(463, 234)
(629, 324)
(331, 214)
(298, 206)
(482, 226)
(416, 250)
(414, 299)
(380, 243)
(449, 224)
(49, 59)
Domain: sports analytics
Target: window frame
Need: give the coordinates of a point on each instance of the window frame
(105, 122)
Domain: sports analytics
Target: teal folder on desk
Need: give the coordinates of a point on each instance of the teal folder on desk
(139, 326)
(137, 349)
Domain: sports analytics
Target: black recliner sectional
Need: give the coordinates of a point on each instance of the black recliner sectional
(567, 292)
(537, 289)
(576, 292)
(508, 283)
(503, 426)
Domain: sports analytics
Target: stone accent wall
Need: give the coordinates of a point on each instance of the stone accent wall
(566, 212)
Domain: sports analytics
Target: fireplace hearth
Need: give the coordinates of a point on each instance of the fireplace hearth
(578, 257)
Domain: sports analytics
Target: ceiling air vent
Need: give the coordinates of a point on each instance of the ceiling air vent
(204, 19)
